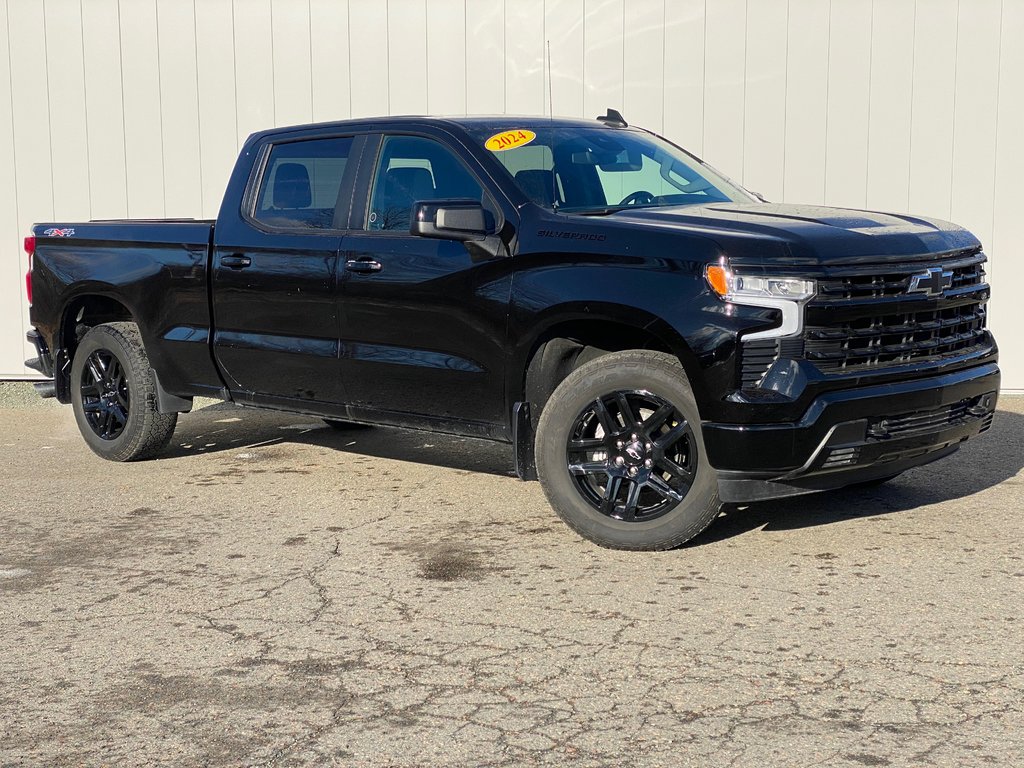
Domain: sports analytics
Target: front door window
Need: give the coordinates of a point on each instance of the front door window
(414, 169)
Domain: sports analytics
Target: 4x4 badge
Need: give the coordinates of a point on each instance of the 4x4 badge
(933, 282)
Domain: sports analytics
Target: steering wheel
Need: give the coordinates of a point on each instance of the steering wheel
(640, 197)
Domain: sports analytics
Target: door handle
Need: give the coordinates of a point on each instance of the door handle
(235, 261)
(363, 265)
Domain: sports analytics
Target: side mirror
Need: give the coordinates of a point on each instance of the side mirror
(449, 220)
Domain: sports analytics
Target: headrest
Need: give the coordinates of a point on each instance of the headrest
(291, 186)
(416, 183)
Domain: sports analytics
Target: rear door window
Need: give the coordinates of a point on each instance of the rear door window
(302, 183)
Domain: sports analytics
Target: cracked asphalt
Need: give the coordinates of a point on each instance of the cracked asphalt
(274, 592)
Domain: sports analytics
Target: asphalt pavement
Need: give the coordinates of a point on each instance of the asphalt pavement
(275, 592)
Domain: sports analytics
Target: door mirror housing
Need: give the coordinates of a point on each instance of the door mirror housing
(449, 220)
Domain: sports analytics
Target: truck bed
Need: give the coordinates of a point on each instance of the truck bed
(134, 262)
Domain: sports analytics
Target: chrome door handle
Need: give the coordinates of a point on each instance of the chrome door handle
(363, 265)
(235, 261)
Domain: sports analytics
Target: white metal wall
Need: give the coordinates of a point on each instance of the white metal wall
(137, 107)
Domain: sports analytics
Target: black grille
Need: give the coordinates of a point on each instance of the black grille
(757, 358)
(869, 284)
(869, 319)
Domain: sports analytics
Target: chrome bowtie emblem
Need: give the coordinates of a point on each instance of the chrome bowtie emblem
(635, 451)
(933, 282)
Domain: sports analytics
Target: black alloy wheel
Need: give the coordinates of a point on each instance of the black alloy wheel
(620, 453)
(632, 455)
(115, 394)
(106, 397)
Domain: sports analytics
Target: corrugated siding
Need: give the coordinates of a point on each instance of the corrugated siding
(138, 107)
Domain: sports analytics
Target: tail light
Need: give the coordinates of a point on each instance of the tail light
(30, 249)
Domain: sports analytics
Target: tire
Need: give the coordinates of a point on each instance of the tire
(345, 426)
(578, 440)
(113, 395)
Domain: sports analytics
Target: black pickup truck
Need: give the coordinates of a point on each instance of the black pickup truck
(651, 338)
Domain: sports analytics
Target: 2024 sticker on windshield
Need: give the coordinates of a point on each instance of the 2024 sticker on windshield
(519, 137)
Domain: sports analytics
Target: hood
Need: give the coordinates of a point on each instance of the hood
(805, 235)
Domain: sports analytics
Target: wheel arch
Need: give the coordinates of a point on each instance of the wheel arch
(575, 335)
(88, 308)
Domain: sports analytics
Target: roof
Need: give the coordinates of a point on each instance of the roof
(465, 122)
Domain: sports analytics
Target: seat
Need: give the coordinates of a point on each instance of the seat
(412, 184)
(291, 187)
(538, 184)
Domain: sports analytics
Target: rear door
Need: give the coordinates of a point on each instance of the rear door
(275, 277)
(424, 320)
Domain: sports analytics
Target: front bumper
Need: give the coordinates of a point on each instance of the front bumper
(853, 436)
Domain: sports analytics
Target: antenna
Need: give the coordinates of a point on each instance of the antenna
(613, 118)
(551, 117)
(551, 97)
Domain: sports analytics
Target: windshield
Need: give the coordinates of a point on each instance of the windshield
(575, 169)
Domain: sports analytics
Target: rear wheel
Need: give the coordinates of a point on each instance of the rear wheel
(113, 395)
(620, 454)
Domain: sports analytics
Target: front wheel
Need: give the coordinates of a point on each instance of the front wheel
(113, 394)
(620, 454)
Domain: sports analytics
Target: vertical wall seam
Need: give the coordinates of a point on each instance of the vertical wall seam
(828, 87)
(871, 75)
(743, 121)
(622, 80)
(22, 298)
(910, 138)
(199, 113)
(124, 129)
(273, 69)
(309, 39)
(664, 58)
(160, 107)
(704, 78)
(504, 59)
(85, 107)
(785, 102)
(583, 67)
(49, 110)
(952, 143)
(348, 31)
(234, 74)
(995, 152)
(465, 56)
(426, 55)
(387, 50)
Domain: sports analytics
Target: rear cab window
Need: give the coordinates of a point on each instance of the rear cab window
(302, 183)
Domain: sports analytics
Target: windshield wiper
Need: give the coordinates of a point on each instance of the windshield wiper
(605, 210)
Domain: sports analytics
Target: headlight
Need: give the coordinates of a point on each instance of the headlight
(786, 294)
(736, 288)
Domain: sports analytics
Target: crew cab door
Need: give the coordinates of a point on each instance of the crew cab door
(423, 321)
(275, 274)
